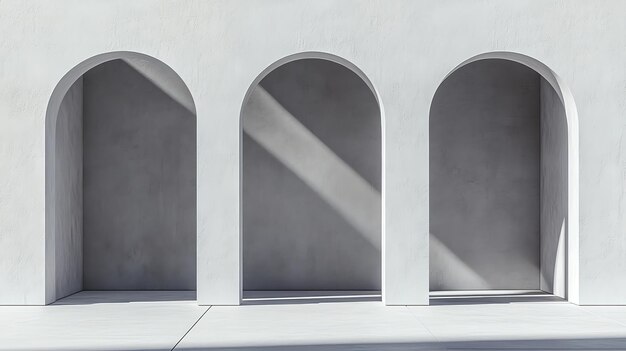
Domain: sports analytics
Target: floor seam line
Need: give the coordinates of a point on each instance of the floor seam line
(65, 297)
(425, 327)
(192, 326)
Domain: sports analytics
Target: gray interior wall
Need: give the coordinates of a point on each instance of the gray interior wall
(139, 183)
(69, 193)
(484, 178)
(554, 185)
(311, 181)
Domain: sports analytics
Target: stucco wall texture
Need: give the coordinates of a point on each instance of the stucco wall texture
(553, 193)
(405, 48)
(69, 183)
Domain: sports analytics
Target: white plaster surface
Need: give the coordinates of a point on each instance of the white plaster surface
(554, 183)
(404, 47)
(68, 233)
(461, 320)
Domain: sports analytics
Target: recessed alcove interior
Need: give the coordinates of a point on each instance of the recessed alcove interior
(311, 185)
(121, 181)
(498, 183)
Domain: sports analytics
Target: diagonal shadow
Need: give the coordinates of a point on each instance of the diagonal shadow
(311, 136)
(139, 169)
(165, 79)
(284, 240)
(282, 135)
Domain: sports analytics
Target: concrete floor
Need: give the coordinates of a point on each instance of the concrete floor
(503, 320)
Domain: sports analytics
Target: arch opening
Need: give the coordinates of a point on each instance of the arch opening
(311, 183)
(121, 181)
(503, 180)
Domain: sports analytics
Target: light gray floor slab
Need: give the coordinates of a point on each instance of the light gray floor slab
(281, 321)
(318, 322)
(101, 321)
(520, 321)
(616, 313)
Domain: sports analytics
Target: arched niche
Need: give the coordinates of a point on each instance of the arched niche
(504, 178)
(311, 179)
(120, 178)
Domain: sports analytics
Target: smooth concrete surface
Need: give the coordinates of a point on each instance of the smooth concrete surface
(139, 184)
(311, 181)
(530, 322)
(405, 48)
(69, 188)
(554, 184)
(484, 178)
(519, 321)
(468, 320)
(323, 326)
(140, 320)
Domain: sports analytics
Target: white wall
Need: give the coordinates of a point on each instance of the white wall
(404, 47)
(484, 178)
(553, 192)
(69, 187)
(311, 181)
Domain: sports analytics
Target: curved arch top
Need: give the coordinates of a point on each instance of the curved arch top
(315, 55)
(567, 99)
(548, 74)
(138, 60)
(154, 70)
(321, 56)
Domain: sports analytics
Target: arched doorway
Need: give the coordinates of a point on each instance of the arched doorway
(311, 181)
(504, 179)
(120, 178)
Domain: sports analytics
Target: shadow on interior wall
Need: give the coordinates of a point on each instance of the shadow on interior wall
(309, 224)
(304, 199)
(554, 192)
(311, 197)
(497, 179)
(138, 165)
(166, 80)
(444, 261)
(484, 178)
(139, 184)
